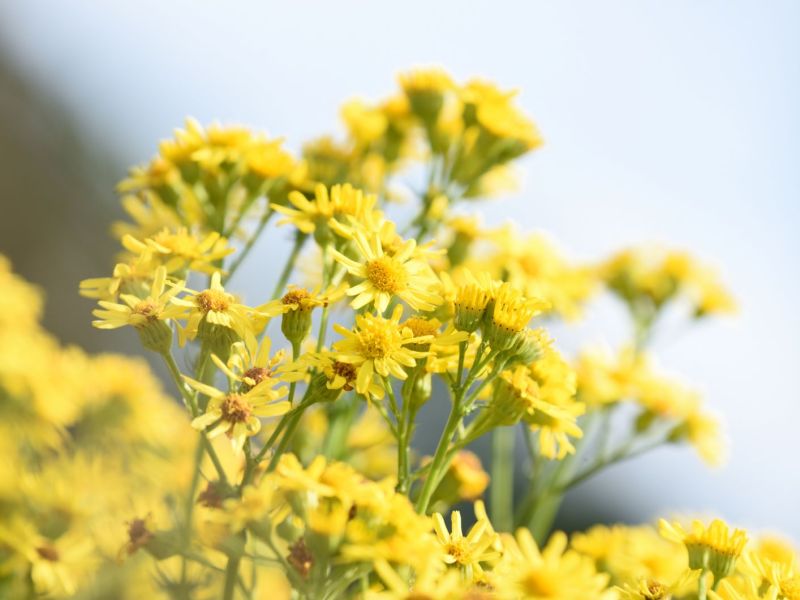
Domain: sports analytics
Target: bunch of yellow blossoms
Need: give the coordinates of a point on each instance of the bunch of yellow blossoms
(293, 470)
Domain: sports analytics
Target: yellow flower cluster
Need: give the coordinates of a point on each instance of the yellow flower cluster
(306, 479)
(89, 444)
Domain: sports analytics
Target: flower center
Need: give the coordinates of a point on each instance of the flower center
(48, 553)
(345, 370)
(138, 534)
(387, 274)
(420, 327)
(235, 409)
(215, 300)
(257, 374)
(300, 558)
(146, 308)
(296, 296)
(459, 551)
(376, 344)
(539, 583)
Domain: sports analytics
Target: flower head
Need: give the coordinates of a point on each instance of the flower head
(385, 276)
(378, 347)
(237, 413)
(714, 547)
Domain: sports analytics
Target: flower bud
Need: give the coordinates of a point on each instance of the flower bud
(156, 335)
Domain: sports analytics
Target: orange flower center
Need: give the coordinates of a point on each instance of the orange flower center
(213, 300)
(235, 409)
(387, 274)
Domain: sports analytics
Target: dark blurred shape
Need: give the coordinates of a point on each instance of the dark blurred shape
(56, 202)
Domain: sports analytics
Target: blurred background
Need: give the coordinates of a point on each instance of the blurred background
(674, 122)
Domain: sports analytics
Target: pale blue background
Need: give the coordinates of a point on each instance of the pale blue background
(675, 121)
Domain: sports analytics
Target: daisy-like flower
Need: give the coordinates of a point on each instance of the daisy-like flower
(552, 573)
(215, 307)
(338, 375)
(652, 589)
(378, 347)
(428, 583)
(131, 277)
(298, 304)
(468, 552)
(714, 547)
(179, 250)
(56, 566)
(236, 414)
(384, 276)
(250, 363)
(139, 312)
(309, 216)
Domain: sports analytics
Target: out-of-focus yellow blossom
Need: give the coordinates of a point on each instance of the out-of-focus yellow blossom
(714, 547)
(178, 250)
(552, 572)
(654, 276)
(314, 216)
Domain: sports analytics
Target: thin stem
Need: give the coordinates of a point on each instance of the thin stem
(187, 526)
(402, 437)
(622, 454)
(294, 420)
(191, 403)
(502, 488)
(702, 583)
(249, 245)
(299, 240)
(439, 458)
(231, 577)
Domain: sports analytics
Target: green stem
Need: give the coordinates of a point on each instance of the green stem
(299, 240)
(439, 458)
(249, 245)
(231, 577)
(702, 591)
(402, 438)
(502, 470)
(191, 403)
(187, 526)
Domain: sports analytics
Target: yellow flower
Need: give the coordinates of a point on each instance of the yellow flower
(236, 413)
(250, 363)
(431, 79)
(57, 566)
(378, 348)
(308, 216)
(652, 589)
(179, 250)
(429, 584)
(366, 124)
(553, 573)
(747, 590)
(468, 552)
(384, 276)
(216, 308)
(339, 375)
(132, 277)
(139, 312)
(298, 304)
(714, 547)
